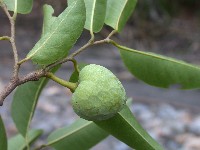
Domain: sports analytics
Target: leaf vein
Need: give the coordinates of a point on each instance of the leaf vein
(32, 110)
(117, 25)
(70, 133)
(44, 43)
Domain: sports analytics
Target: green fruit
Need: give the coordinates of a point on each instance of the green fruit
(99, 95)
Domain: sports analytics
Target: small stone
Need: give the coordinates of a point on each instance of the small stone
(182, 138)
(48, 107)
(177, 127)
(142, 112)
(167, 112)
(192, 143)
(194, 127)
(52, 91)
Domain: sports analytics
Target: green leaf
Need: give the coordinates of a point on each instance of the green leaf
(3, 137)
(75, 75)
(95, 14)
(48, 18)
(18, 142)
(81, 134)
(62, 35)
(69, 2)
(159, 70)
(24, 102)
(118, 12)
(23, 6)
(126, 128)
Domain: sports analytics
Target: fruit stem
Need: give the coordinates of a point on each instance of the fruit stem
(75, 65)
(72, 86)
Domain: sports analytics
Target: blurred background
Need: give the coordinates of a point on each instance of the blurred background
(167, 27)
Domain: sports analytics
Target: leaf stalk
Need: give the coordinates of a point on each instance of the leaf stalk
(72, 86)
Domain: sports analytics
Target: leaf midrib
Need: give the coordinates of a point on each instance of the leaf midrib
(32, 110)
(127, 122)
(30, 140)
(44, 43)
(92, 17)
(157, 57)
(68, 134)
(117, 26)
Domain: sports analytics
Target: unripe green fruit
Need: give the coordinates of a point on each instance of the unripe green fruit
(99, 95)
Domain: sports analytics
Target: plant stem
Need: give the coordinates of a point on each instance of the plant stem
(15, 11)
(111, 34)
(5, 38)
(71, 57)
(33, 76)
(75, 65)
(72, 86)
(12, 38)
(92, 37)
(22, 61)
(5, 10)
(119, 46)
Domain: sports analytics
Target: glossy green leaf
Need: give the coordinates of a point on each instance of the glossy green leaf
(23, 6)
(81, 134)
(3, 137)
(64, 32)
(48, 18)
(18, 142)
(95, 14)
(69, 2)
(118, 12)
(75, 75)
(24, 102)
(159, 70)
(126, 128)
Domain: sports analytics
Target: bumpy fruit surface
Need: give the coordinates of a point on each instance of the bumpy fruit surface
(99, 95)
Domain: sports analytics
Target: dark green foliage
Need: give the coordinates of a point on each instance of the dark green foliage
(81, 134)
(3, 137)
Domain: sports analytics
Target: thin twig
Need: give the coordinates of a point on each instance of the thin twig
(12, 39)
(5, 38)
(15, 11)
(111, 34)
(72, 86)
(5, 10)
(75, 65)
(71, 56)
(33, 76)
